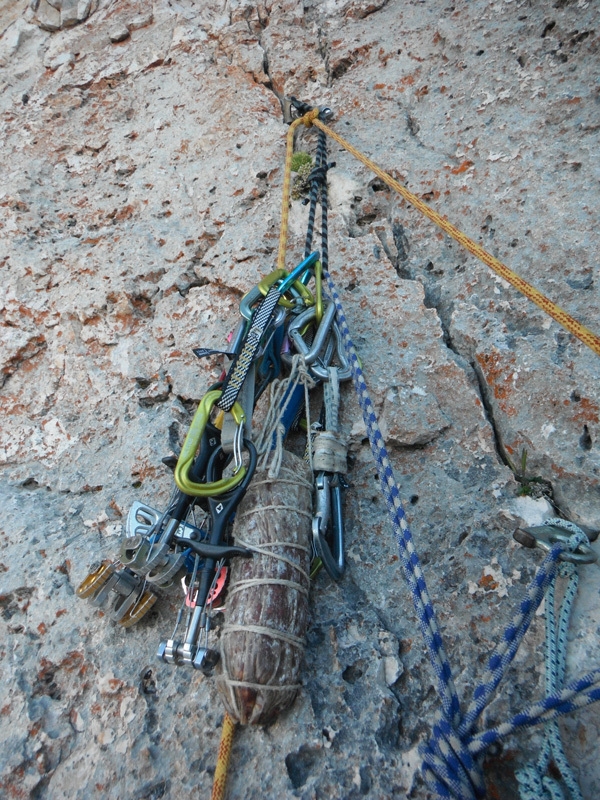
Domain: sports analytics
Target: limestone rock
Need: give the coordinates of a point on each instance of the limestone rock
(140, 21)
(411, 416)
(119, 33)
(70, 13)
(141, 198)
(48, 16)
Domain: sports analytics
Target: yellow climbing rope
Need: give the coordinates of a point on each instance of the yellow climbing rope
(220, 779)
(588, 337)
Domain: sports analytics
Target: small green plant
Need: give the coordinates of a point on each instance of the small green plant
(299, 159)
(531, 485)
(302, 165)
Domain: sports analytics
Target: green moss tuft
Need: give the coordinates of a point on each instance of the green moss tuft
(299, 159)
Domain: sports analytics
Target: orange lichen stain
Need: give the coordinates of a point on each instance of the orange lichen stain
(125, 213)
(494, 367)
(379, 86)
(587, 411)
(5, 710)
(560, 471)
(179, 255)
(143, 471)
(407, 80)
(116, 508)
(41, 628)
(61, 612)
(463, 167)
(488, 583)
(484, 618)
(73, 661)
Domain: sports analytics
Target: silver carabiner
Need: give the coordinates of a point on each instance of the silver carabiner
(345, 370)
(310, 354)
(544, 537)
(328, 508)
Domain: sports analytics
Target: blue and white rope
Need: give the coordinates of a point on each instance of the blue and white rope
(450, 765)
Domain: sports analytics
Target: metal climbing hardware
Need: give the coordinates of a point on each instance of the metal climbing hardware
(189, 543)
(329, 463)
(544, 537)
(571, 542)
(328, 521)
(193, 649)
(191, 444)
(199, 537)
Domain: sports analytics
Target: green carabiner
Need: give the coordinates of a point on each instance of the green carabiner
(191, 444)
(318, 293)
(280, 274)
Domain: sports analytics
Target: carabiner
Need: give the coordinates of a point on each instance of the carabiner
(191, 444)
(311, 354)
(345, 370)
(282, 275)
(329, 514)
(544, 537)
(301, 272)
(247, 311)
(318, 292)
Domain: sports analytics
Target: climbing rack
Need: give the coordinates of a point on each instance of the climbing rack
(284, 324)
(189, 543)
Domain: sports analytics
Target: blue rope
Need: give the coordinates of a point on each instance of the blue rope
(534, 782)
(450, 765)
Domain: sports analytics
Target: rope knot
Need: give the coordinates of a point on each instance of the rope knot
(308, 118)
(448, 766)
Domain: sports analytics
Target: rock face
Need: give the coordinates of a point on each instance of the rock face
(140, 199)
(54, 15)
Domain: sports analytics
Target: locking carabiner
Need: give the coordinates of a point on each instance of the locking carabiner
(191, 444)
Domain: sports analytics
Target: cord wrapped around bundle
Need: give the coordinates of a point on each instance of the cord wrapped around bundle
(262, 641)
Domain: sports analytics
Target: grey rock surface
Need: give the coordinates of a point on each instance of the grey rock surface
(141, 198)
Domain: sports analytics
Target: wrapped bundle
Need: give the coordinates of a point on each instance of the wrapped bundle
(262, 641)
